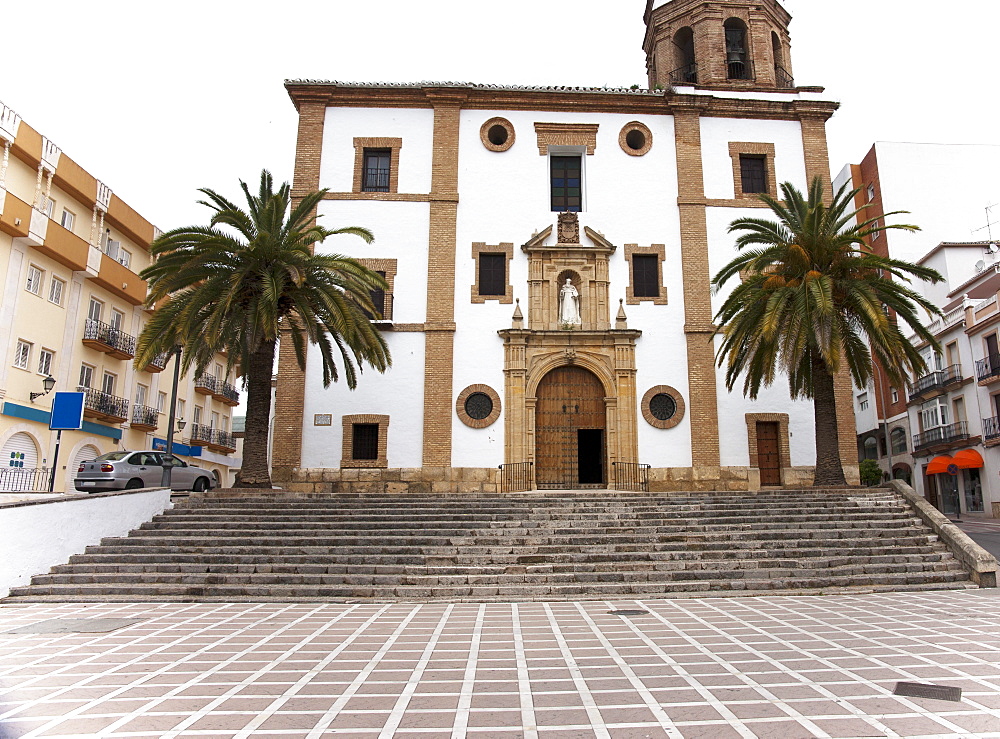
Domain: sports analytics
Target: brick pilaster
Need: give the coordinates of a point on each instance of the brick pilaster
(698, 327)
(440, 324)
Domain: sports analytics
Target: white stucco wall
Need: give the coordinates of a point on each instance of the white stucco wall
(399, 393)
(36, 537)
(342, 125)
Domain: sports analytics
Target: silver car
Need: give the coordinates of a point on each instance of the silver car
(142, 469)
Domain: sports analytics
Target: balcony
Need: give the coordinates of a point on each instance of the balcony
(226, 393)
(942, 435)
(103, 406)
(988, 369)
(15, 218)
(201, 435)
(144, 418)
(159, 363)
(222, 441)
(107, 339)
(991, 431)
(935, 383)
(686, 75)
(206, 384)
(120, 280)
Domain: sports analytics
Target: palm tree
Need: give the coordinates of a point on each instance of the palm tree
(250, 275)
(814, 296)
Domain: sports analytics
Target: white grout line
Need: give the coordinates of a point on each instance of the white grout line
(469, 680)
(586, 697)
(399, 710)
(200, 677)
(529, 724)
(331, 714)
(116, 668)
(648, 698)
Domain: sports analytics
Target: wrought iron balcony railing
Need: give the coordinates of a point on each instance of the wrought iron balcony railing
(782, 78)
(103, 405)
(109, 339)
(941, 435)
(205, 384)
(935, 380)
(227, 393)
(158, 363)
(200, 434)
(991, 428)
(988, 367)
(223, 439)
(144, 416)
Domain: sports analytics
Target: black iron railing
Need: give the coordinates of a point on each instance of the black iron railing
(941, 435)
(991, 428)
(208, 382)
(740, 69)
(159, 362)
(686, 75)
(223, 439)
(934, 380)
(201, 434)
(25, 479)
(632, 476)
(376, 180)
(782, 78)
(516, 477)
(227, 392)
(104, 403)
(988, 367)
(109, 336)
(143, 415)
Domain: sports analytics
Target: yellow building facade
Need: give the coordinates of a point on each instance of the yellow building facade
(72, 307)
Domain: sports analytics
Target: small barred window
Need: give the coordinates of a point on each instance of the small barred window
(662, 406)
(479, 406)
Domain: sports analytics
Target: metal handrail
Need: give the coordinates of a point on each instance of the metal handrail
(104, 403)
(109, 335)
(941, 435)
(516, 477)
(632, 476)
(25, 479)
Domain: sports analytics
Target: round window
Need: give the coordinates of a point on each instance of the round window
(662, 406)
(478, 406)
(498, 135)
(635, 139)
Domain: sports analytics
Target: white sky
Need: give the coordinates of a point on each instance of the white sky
(159, 99)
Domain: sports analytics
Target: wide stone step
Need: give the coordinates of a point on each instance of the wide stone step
(522, 591)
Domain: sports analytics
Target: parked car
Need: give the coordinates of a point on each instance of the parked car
(140, 469)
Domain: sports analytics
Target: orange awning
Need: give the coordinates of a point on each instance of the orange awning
(968, 459)
(939, 465)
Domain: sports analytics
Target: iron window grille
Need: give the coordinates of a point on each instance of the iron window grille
(377, 164)
(753, 172)
(645, 276)
(492, 274)
(364, 441)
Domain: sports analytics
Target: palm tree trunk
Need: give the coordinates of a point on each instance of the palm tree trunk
(255, 473)
(829, 470)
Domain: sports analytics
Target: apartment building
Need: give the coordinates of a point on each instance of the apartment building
(72, 307)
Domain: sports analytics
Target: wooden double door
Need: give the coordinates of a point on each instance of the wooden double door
(570, 428)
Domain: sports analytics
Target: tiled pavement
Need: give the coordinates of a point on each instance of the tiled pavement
(784, 666)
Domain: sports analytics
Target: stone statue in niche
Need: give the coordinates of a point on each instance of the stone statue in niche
(569, 306)
(569, 228)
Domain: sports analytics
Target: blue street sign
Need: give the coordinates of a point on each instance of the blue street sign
(67, 411)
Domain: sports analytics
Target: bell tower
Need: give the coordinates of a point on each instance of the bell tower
(720, 43)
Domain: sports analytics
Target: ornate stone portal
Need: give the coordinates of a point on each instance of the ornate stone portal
(546, 344)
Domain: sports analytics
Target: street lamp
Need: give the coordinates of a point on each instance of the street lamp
(168, 460)
(48, 383)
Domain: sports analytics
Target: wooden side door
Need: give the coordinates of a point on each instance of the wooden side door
(768, 456)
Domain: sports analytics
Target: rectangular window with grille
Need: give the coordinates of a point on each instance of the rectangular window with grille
(56, 289)
(753, 171)
(377, 163)
(378, 298)
(364, 441)
(492, 274)
(22, 354)
(45, 362)
(567, 183)
(645, 276)
(86, 375)
(34, 282)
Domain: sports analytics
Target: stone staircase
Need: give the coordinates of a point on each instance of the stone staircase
(538, 546)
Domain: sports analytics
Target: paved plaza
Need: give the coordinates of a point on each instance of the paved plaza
(784, 666)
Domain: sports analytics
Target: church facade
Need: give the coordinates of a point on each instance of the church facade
(549, 253)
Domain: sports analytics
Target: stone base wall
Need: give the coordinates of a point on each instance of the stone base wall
(486, 480)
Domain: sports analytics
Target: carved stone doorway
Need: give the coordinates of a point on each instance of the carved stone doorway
(570, 424)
